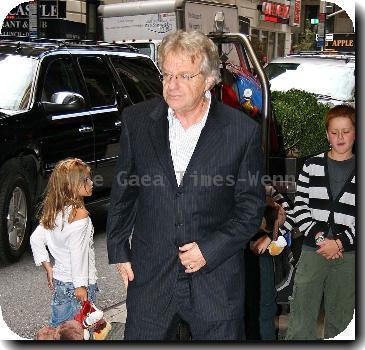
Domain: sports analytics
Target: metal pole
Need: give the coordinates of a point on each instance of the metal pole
(322, 10)
(324, 27)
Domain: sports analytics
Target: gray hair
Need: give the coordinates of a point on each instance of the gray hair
(194, 44)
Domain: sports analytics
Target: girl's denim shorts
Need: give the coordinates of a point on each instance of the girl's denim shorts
(64, 305)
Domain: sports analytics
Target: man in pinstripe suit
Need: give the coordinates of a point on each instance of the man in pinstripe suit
(188, 183)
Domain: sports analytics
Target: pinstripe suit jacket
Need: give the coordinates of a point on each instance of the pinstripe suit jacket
(219, 204)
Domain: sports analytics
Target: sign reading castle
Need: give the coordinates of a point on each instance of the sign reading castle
(31, 18)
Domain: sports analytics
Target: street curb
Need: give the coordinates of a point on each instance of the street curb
(117, 317)
(116, 314)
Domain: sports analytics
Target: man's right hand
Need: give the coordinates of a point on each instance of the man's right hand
(125, 272)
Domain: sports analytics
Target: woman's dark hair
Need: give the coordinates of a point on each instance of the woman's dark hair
(270, 215)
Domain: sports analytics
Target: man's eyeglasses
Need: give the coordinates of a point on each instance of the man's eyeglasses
(166, 77)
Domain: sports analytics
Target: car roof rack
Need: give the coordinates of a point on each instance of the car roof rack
(71, 44)
(327, 54)
(87, 43)
(323, 53)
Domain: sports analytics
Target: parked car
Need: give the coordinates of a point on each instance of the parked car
(330, 76)
(61, 100)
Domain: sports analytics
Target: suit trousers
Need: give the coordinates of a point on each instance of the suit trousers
(163, 326)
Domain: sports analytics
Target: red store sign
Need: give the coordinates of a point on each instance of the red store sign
(295, 15)
(275, 12)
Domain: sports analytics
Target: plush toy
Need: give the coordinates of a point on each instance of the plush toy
(91, 320)
(87, 324)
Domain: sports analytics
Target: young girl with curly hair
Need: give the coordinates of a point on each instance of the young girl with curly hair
(67, 231)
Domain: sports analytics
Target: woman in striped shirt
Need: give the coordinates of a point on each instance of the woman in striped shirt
(325, 212)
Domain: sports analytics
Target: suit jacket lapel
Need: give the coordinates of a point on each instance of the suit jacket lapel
(208, 143)
(206, 148)
(159, 134)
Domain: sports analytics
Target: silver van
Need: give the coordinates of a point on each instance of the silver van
(331, 77)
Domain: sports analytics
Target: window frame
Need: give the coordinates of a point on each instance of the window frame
(48, 62)
(100, 57)
(138, 59)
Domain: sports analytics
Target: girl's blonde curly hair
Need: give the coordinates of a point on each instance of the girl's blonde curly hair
(63, 190)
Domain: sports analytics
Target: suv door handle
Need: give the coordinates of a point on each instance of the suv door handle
(85, 129)
(118, 123)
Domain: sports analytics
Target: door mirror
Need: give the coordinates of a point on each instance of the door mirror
(66, 97)
(64, 101)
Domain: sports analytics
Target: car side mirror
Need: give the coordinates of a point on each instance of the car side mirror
(64, 101)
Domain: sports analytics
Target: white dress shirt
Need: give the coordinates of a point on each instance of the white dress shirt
(183, 141)
(72, 247)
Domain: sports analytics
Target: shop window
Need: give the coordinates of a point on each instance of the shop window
(271, 47)
(265, 44)
(281, 45)
(244, 23)
(311, 11)
(257, 45)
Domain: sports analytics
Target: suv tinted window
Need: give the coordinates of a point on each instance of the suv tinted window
(274, 69)
(60, 76)
(139, 76)
(98, 83)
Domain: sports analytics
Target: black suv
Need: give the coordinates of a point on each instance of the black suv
(61, 100)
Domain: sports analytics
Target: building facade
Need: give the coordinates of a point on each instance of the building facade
(324, 17)
(273, 26)
(52, 19)
(268, 24)
(273, 35)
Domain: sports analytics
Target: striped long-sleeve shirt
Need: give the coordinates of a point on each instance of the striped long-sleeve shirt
(277, 197)
(314, 208)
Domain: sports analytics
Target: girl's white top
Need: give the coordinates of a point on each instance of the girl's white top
(72, 248)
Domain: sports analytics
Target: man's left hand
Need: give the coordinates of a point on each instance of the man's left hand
(191, 257)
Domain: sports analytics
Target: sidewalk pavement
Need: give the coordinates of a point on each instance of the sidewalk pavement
(117, 317)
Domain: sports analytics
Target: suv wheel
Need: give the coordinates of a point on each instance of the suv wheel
(15, 213)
